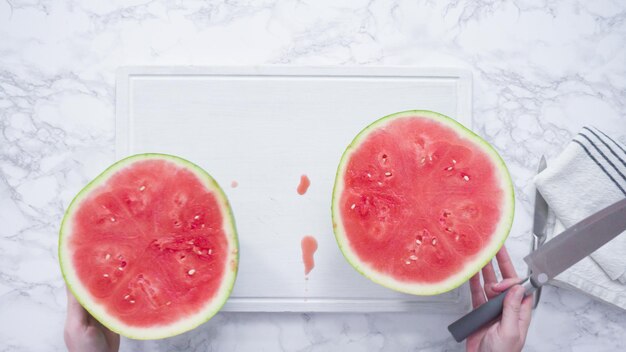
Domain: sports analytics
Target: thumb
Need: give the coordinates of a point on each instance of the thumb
(505, 284)
(511, 311)
(77, 316)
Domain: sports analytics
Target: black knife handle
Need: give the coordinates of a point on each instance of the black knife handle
(479, 317)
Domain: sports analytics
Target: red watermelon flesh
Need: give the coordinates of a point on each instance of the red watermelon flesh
(418, 201)
(153, 245)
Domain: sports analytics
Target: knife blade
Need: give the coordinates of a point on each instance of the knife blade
(577, 242)
(540, 222)
(551, 259)
(540, 219)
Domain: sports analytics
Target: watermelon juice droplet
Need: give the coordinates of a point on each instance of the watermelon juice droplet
(304, 184)
(234, 184)
(309, 246)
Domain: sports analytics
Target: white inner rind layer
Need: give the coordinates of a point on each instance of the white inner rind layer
(99, 311)
(471, 267)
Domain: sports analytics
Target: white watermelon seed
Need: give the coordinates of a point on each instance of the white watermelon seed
(142, 188)
(210, 251)
(413, 257)
(112, 219)
(369, 175)
(353, 206)
(107, 257)
(387, 173)
(418, 242)
(466, 178)
(105, 275)
(127, 297)
(132, 301)
(449, 168)
(191, 272)
(197, 217)
(434, 241)
(407, 262)
(453, 161)
(456, 238)
(168, 303)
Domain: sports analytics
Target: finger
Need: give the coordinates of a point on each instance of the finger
(489, 275)
(112, 338)
(511, 311)
(505, 284)
(77, 316)
(478, 295)
(504, 263)
(525, 314)
(489, 278)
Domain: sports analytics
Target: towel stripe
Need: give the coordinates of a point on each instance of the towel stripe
(611, 139)
(600, 165)
(609, 148)
(604, 156)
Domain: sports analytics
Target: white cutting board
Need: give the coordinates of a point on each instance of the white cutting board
(264, 127)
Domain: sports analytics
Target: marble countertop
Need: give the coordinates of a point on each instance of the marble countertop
(542, 69)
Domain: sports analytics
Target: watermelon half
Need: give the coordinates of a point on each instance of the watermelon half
(149, 247)
(420, 203)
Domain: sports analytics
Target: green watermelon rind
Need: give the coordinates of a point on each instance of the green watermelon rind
(184, 325)
(486, 254)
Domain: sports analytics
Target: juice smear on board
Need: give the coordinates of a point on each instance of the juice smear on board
(309, 246)
(304, 184)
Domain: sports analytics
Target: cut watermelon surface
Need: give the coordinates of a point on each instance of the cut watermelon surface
(421, 203)
(149, 247)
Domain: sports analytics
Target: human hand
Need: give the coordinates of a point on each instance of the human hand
(508, 333)
(84, 333)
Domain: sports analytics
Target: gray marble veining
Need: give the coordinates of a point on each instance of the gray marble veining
(542, 69)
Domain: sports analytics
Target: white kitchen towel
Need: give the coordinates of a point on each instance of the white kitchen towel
(587, 277)
(589, 175)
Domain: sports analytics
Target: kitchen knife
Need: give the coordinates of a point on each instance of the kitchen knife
(551, 259)
(540, 222)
